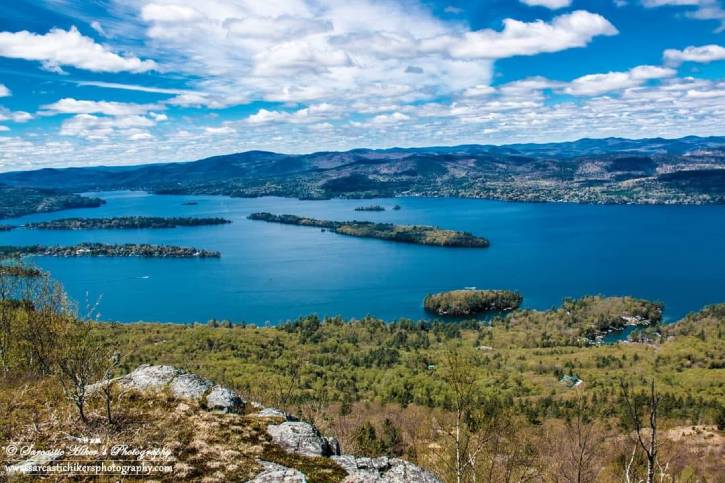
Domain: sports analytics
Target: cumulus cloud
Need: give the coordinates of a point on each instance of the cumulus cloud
(219, 130)
(702, 54)
(4, 91)
(14, 116)
(69, 105)
(93, 127)
(61, 47)
(552, 4)
(575, 29)
(704, 9)
(326, 50)
(595, 84)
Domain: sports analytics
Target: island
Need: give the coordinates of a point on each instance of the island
(105, 250)
(7, 227)
(20, 201)
(461, 303)
(417, 234)
(370, 208)
(123, 223)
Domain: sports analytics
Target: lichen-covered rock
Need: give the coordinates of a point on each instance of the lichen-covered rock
(190, 386)
(181, 384)
(274, 473)
(147, 377)
(301, 438)
(383, 469)
(225, 400)
(271, 413)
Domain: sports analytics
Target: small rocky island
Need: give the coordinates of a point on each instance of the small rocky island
(417, 234)
(460, 303)
(370, 208)
(103, 250)
(123, 223)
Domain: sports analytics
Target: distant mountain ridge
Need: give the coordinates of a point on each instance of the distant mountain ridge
(588, 170)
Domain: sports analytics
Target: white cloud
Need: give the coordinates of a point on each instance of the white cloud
(134, 87)
(552, 4)
(4, 91)
(4, 128)
(60, 48)
(93, 127)
(702, 54)
(596, 84)
(220, 130)
(69, 105)
(14, 116)
(705, 9)
(575, 29)
(311, 114)
(302, 51)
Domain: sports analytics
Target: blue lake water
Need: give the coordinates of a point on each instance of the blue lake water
(270, 272)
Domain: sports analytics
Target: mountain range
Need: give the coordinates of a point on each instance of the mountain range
(612, 170)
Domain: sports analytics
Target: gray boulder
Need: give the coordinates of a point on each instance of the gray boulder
(383, 469)
(224, 400)
(147, 377)
(272, 413)
(301, 438)
(183, 385)
(274, 473)
(189, 386)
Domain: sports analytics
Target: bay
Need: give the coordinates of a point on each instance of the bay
(269, 272)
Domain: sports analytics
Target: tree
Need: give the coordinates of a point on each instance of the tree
(82, 360)
(645, 438)
(577, 447)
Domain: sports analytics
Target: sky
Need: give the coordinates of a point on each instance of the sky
(118, 82)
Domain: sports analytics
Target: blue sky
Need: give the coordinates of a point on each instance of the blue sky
(135, 81)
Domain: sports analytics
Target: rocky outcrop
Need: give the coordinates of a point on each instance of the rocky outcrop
(183, 385)
(301, 438)
(274, 473)
(383, 470)
(292, 436)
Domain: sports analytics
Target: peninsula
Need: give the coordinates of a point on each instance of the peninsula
(466, 302)
(417, 234)
(123, 223)
(103, 250)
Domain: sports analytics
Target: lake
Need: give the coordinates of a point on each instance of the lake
(270, 272)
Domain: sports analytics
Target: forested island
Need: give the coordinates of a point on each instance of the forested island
(416, 234)
(370, 208)
(123, 222)
(106, 250)
(459, 303)
(20, 201)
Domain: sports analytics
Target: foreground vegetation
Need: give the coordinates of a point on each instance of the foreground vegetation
(416, 234)
(108, 250)
(469, 400)
(460, 303)
(123, 222)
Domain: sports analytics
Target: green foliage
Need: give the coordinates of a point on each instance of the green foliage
(470, 302)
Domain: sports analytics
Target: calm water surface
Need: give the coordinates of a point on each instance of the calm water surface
(269, 272)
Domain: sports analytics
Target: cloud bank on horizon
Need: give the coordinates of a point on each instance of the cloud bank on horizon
(137, 81)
